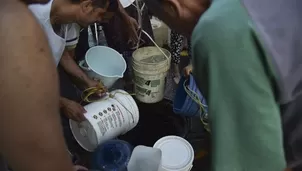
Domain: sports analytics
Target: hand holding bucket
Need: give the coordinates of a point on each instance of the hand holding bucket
(188, 70)
(99, 90)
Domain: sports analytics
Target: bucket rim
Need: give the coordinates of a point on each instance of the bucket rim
(162, 63)
(133, 109)
(150, 72)
(184, 142)
(81, 143)
(105, 47)
(184, 105)
(167, 52)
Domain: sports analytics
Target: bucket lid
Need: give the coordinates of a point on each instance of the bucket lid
(84, 134)
(177, 153)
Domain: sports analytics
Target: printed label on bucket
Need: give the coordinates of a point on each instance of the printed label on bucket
(109, 118)
(149, 89)
(150, 83)
(145, 92)
(142, 91)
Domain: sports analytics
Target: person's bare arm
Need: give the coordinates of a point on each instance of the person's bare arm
(71, 67)
(131, 23)
(121, 11)
(30, 132)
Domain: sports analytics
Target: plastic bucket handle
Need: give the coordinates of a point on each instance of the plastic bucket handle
(81, 64)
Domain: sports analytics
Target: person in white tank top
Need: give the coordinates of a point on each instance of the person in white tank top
(61, 21)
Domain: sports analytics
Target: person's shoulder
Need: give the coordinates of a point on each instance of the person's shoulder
(224, 20)
(41, 11)
(13, 10)
(225, 34)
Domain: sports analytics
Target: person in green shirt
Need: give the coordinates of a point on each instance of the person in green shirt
(236, 74)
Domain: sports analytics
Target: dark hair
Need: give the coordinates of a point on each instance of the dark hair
(113, 6)
(99, 3)
(96, 3)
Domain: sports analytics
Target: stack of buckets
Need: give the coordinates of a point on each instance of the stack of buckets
(150, 79)
(150, 76)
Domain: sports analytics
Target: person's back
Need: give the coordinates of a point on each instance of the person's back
(246, 62)
(280, 35)
(30, 132)
(256, 57)
(236, 77)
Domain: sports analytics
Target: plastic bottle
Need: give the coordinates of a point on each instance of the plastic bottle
(91, 38)
(101, 36)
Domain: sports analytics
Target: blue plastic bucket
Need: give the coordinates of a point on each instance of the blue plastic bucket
(113, 155)
(183, 104)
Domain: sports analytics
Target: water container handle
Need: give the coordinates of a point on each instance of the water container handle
(120, 76)
(81, 64)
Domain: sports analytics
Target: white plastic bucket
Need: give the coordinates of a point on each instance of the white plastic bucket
(106, 119)
(177, 154)
(104, 64)
(150, 68)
